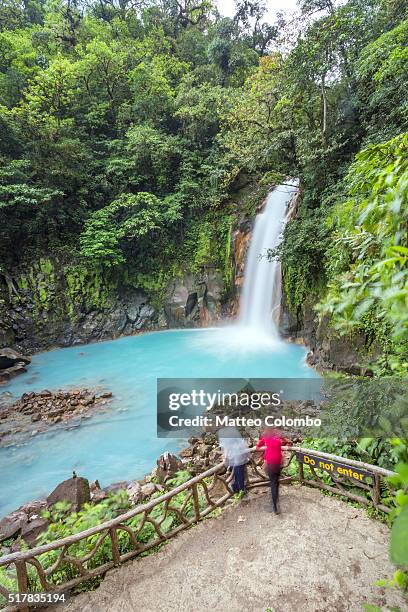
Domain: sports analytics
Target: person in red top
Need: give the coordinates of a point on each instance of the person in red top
(273, 441)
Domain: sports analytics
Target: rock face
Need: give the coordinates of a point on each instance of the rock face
(116, 486)
(194, 300)
(53, 305)
(9, 358)
(58, 304)
(32, 530)
(240, 241)
(135, 493)
(348, 354)
(11, 525)
(328, 350)
(75, 490)
(147, 490)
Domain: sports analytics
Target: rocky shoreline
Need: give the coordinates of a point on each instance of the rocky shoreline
(36, 413)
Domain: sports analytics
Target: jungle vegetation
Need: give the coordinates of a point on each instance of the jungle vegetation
(129, 126)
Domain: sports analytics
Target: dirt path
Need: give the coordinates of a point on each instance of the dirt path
(319, 555)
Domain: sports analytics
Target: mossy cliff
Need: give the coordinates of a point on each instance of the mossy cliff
(53, 303)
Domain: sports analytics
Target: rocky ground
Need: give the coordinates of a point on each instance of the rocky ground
(35, 413)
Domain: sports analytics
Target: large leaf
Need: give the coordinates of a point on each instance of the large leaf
(399, 539)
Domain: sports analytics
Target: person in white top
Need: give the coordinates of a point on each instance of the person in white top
(236, 455)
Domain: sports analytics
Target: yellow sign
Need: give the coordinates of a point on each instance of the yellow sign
(333, 467)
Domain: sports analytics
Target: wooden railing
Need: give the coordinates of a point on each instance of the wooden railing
(60, 566)
(375, 489)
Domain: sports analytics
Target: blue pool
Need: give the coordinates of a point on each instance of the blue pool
(122, 444)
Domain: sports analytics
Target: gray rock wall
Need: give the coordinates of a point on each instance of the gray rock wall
(52, 304)
(194, 300)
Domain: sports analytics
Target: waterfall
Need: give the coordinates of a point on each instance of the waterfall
(261, 296)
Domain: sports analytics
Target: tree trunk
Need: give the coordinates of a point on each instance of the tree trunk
(324, 118)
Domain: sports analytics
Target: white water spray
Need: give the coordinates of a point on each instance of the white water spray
(261, 296)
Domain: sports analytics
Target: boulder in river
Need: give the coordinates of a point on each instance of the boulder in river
(10, 358)
(11, 364)
(11, 525)
(167, 466)
(74, 490)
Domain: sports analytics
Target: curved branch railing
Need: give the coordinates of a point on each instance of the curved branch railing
(151, 524)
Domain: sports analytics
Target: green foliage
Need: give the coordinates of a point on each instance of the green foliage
(371, 408)
(400, 481)
(399, 532)
(255, 131)
(229, 53)
(301, 252)
(399, 536)
(104, 103)
(179, 479)
(127, 224)
(377, 451)
(367, 262)
(64, 523)
(19, 196)
(147, 158)
(382, 73)
(200, 108)
(50, 94)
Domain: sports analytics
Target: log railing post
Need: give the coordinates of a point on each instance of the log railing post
(22, 581)
(376, 490)
(196, 502)
(301, 471)
(115, 546)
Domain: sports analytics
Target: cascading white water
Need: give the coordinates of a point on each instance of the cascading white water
(257, 327)
(261, 296)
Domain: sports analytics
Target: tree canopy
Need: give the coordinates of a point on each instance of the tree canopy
(127, 128)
